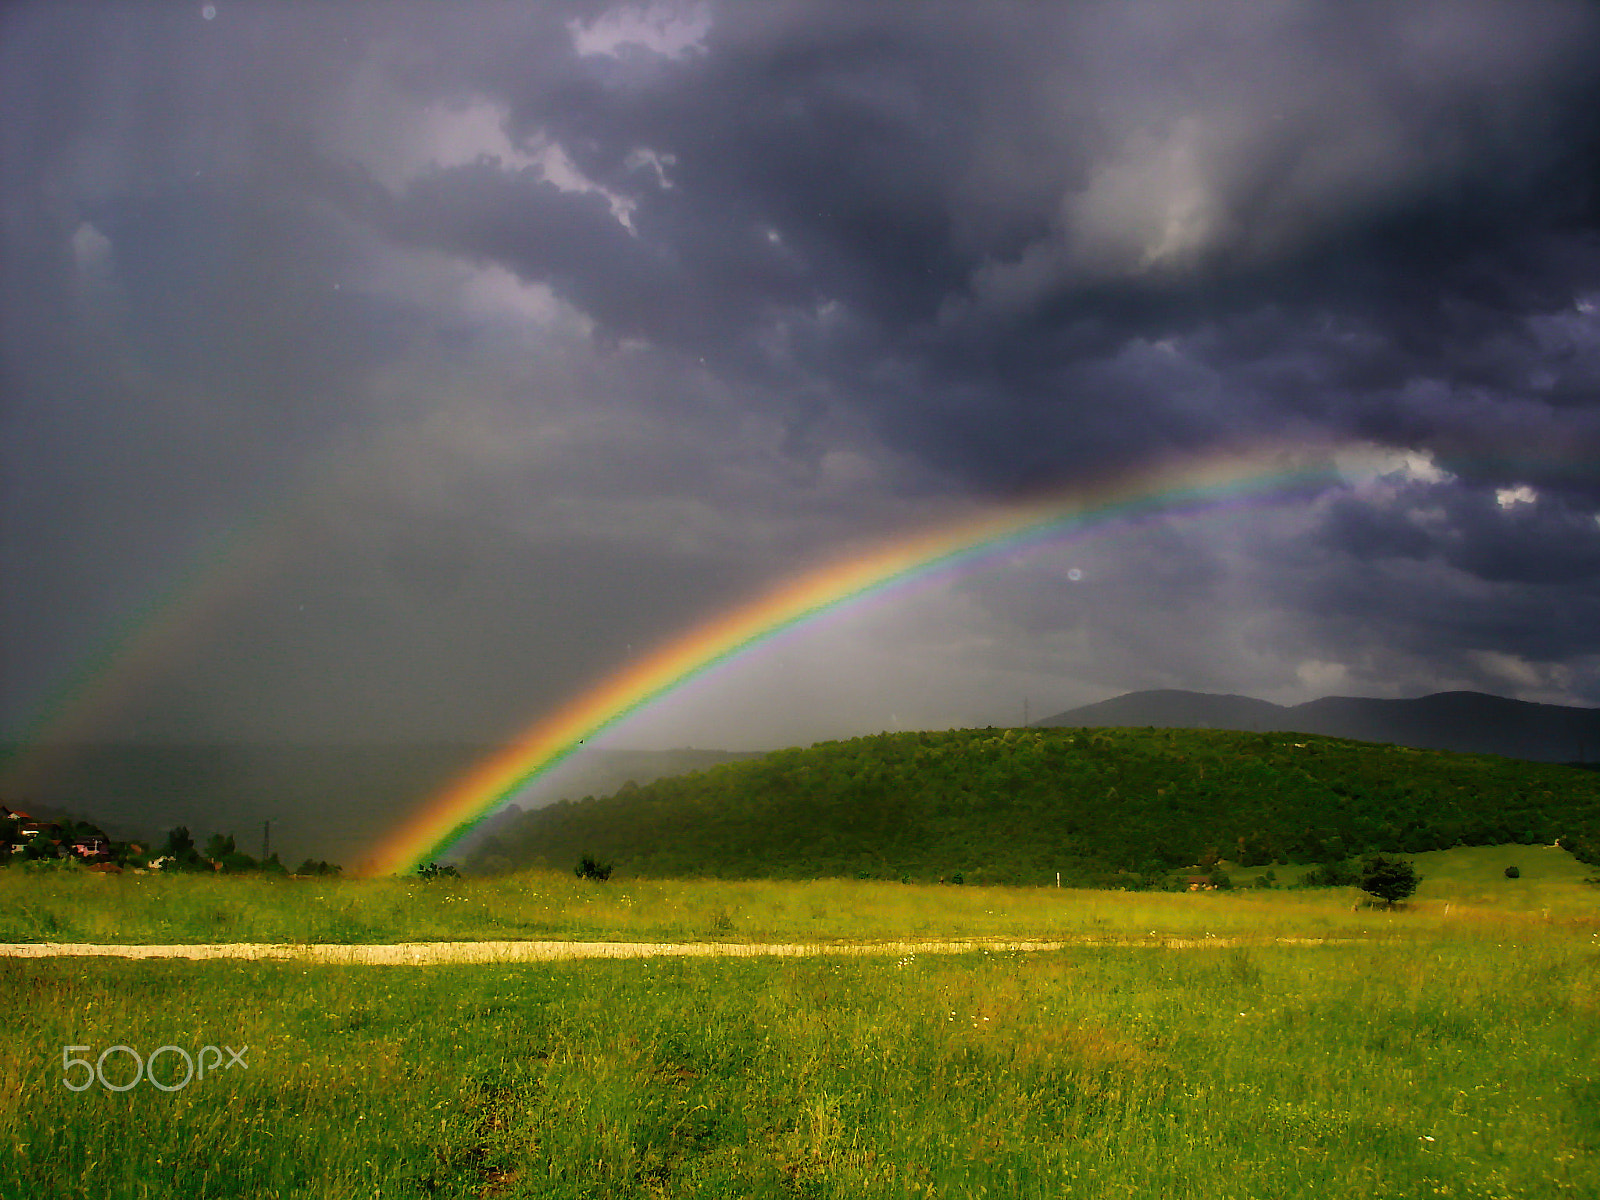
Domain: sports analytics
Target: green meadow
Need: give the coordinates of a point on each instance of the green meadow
(76, 906)
(1448, 1048)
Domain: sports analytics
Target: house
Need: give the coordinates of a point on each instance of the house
(24, 829)
(91, 846)
(29, 827)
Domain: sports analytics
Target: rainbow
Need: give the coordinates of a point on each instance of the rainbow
(444, 819)
(166, 628)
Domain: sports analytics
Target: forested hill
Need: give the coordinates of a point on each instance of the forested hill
(1018, 805)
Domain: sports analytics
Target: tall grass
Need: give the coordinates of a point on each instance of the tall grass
(1437, 1062)
(85, 907)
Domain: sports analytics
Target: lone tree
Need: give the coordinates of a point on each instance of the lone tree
(1389, 879)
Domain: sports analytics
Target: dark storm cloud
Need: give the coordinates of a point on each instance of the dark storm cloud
(564, 326)
(1498, 540)
(1324, 210)
(633, 285)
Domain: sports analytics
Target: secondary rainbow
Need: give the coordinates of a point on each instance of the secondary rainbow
(443, 819)
(168, 627)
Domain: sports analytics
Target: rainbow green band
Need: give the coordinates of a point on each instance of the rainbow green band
(446, 817)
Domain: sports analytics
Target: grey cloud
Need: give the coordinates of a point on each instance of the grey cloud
(1536, 542)
(834, 272)
(1424, 177)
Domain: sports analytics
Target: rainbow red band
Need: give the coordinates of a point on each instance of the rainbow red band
(445, 818)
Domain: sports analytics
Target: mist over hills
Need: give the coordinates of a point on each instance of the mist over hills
(324, 801)
(335, 801)
(1466, 722)
(328, 801)
(600, 773)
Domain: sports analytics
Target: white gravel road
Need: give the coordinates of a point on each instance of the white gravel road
(424, 953)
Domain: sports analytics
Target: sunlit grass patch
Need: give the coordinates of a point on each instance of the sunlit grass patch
(1459, 885)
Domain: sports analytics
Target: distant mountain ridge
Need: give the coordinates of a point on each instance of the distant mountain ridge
(1466, 722)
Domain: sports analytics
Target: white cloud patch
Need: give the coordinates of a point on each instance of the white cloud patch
(406, 141)
(1524, 679)
(94, 283)
(498, 294)
(1370, 464)
(671, 31)
(1510, 497)
(398, 140)
(479, 294)
(1321, 678)
(91, 249)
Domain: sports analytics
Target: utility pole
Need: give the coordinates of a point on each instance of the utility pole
(265, 838)
(1024, 712)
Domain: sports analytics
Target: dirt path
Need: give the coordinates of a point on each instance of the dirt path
(425, 953)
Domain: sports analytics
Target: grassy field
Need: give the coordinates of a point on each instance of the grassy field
(85, 907)
(1432, 1054)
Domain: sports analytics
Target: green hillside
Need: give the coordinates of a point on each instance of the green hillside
(1105, 807)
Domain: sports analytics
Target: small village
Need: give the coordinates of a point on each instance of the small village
(66, 843)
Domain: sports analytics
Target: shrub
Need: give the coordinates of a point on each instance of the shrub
(956, 878)
(590, 868)
(1513, 873)
(1331, 874)
(434, 870)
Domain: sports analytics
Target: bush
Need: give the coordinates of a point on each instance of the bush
(1389, 879)
(66, 863)
(1331, 874)
(590, 868)
(1513, 873)
(435, 870)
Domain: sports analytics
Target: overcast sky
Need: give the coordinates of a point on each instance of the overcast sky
(485, 346)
